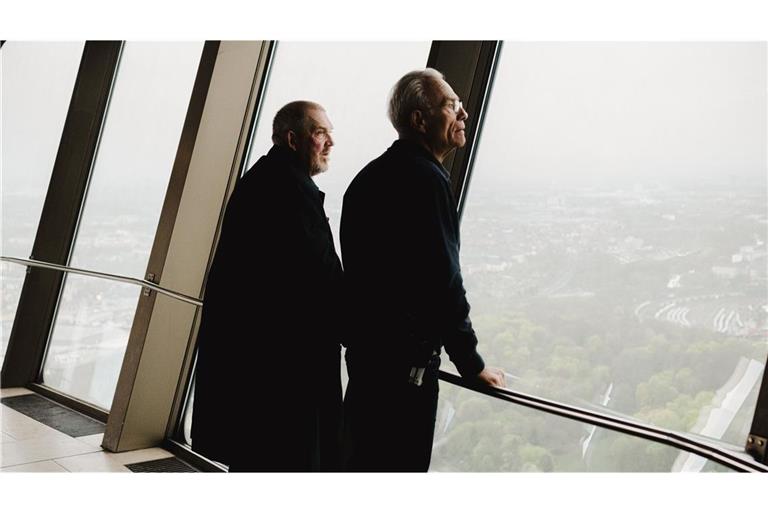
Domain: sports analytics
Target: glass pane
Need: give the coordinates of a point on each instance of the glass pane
(135, 156)
(475, 432)
(92, 328)
(134, 161)
(186, 422)
(614, 236)
(12, 279)
(37, 80)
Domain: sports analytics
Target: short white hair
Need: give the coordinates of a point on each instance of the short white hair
(411, 93)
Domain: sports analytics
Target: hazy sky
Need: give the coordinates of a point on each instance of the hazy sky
(138, 146)
(594, 110)
(138, 142)
(558, 111)
(36, 81)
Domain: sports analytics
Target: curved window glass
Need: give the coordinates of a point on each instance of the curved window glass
(37, 82)
(136, 152)
(614, 235)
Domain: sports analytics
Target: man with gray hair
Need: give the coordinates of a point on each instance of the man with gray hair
(267, 382)
(400, 247)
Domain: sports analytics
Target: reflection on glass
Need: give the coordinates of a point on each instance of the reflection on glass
(186, 422)
(475, 432)
(136, 153)
(37, 82)
(614, 237)
(88, 341)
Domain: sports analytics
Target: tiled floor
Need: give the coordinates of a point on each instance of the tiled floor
(30, 446)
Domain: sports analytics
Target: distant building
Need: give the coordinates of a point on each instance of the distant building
(726, 272)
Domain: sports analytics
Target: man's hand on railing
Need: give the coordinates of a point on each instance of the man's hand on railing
(492, 377)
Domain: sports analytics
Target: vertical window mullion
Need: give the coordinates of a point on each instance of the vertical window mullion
(61, 212)
(468, 67)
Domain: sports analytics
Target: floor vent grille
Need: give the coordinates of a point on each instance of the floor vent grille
(167, 465)
(54, 415)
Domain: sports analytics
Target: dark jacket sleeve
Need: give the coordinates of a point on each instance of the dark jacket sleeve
(437, 244)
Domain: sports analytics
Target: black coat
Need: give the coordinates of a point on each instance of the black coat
(267, 382)
(400, 247)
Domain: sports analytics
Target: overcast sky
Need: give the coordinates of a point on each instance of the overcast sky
(583, 112)
(595, 110)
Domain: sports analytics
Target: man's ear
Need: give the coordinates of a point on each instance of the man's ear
(418, 122)
(292, 140)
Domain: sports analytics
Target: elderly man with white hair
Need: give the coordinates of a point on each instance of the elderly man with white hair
(405, 295)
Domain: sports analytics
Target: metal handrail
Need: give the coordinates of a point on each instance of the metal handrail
(103, 275)
(622, 425)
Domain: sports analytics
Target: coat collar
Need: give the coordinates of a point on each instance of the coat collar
(288, 159)
(413, 148)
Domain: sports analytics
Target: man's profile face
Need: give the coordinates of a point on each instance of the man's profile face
(445, 127)
(315, 145)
